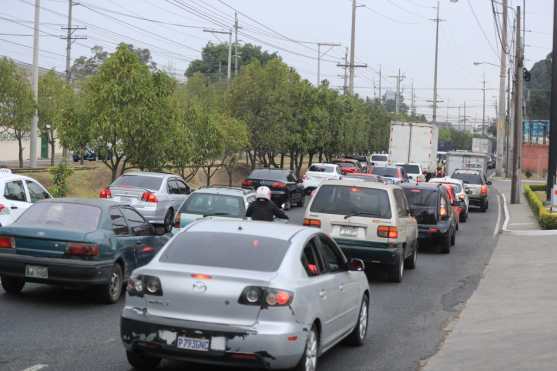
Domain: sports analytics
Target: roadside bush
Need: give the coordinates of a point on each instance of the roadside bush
(546, 219)
(60, 174)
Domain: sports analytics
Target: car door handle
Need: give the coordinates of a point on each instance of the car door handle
(14, 207)
(323, 294)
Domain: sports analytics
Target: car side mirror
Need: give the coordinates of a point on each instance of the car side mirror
(357, 265)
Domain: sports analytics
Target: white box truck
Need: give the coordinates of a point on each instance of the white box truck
(482, 145)
(466, 160)
(416, 143)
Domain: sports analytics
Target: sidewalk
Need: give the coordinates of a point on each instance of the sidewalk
(510, 322)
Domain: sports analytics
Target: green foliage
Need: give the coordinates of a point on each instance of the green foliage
(214, 60)
(54, 94)
(539, 90)
(74, 127)
(60, 174)
(546, 219)
(16, 103)
(453, 139)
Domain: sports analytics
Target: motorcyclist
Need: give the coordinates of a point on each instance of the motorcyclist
(263, 208)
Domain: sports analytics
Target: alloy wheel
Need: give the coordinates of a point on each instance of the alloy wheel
(311, 352)
(115, 285)
(363, 320)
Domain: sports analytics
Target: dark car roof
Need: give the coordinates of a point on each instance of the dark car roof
(273, 170)
(99, 202)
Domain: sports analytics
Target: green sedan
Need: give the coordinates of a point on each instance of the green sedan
(77, 242)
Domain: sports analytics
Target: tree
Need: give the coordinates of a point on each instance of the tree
(87, 66)
(235, 139)
(16, 103)
(54, 93)
(74, 128)
(118, 98)
(214, 59)
(539, 90)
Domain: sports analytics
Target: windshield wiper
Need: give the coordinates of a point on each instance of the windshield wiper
(360, 214)
(217, 214)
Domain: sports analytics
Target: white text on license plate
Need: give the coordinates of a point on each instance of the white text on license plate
(36, 271)
(349, 231)
(200, 345)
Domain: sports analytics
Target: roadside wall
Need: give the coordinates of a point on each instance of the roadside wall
(535, 158)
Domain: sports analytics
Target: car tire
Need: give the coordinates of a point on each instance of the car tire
(410, 262)
(397, 270)
(464, 217)
(168, 220)
(311, 352)
(357, 337)
(453, 239)
(142, 362)
(12, 285)
(111, 291)
(446, 243)
(484, 207)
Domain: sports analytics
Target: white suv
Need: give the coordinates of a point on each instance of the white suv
(369, 220)
(319, 172)
(17, 193)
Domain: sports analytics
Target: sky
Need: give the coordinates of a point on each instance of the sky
(393, 34)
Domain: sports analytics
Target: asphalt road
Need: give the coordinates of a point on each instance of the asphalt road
(51, 328)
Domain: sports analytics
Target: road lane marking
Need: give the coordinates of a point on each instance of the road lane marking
(499, 212)
(36, 367)
(507, 214)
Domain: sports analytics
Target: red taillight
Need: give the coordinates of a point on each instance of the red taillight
(434, 230)
(149, 197)
(278, 185)
(265, 297)
(387, 231)
(7, 242)
(178, 220)
(247, 183)
(312, 222)
(105, 193)
(201, 276)
(82, 249)
(4, 210)
(443, 213)
(484, 190)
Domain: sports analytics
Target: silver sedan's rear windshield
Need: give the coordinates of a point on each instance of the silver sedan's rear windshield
(346, 200)
(226, 250)
(139, 181)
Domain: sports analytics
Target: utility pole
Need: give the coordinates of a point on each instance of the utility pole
(380, 83)
(70, 38)
(464, 117)
(413, 104)
(236, 27)
(501, 117)
(517, 132)
(483, 107)
(319, 55)
(35, 122)
(345, 76)
(352, 49)
(398, 79)
(458, 121)
(437, 20)
(552, 165)
(229, 66)
(349, 89)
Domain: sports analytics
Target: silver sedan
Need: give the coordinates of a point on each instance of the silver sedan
(246, 294)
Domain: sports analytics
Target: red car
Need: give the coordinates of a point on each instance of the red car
(457, 208)
(348, 165)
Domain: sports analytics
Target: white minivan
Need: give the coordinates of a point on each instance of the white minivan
(17, 193)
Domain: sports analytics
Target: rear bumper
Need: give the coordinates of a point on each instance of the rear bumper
(60, 271)
(6, 220)
(264, 345)
(154, 215)
(372, 252)
(433, 233)
(477, 200)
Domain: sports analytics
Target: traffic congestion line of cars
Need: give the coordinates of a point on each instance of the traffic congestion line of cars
(205, 284)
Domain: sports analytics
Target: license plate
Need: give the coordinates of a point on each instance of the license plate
(122, 199)
(197, 344)
(348, 231)
(36, 271)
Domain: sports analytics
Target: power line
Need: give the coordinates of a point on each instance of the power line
(405, 10)
(482, 29)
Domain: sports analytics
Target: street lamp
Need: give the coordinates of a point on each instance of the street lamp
(488, 63)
